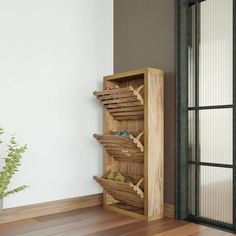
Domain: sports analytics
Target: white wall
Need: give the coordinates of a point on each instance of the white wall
(53, 54)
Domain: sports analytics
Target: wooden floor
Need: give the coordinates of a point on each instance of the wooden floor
(99, 222)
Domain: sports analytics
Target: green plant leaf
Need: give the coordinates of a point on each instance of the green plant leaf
(13, 191)
(1, 131)
(12, 162)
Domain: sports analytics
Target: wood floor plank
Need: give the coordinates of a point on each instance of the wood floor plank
(29, 225)
(76, 213)
(35, 227)
(17, 224)
(185, 230)
(156, 228)
(141, 228)
(81, 225)
(136, 226)
(209, 231)
(97, 221)
(82, 231)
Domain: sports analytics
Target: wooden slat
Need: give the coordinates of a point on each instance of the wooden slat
(106, 183)
(121, 191)
(112, 91)
(127, 198)
(139, 108)
(116, 137)
(117, 142)
(114, 96)
(120, 101)
(131, 113)
(122, 98)
(119, 146)
(112, 144)
(120, 152)
(128, 104)
(114, 140)
(123, 150)
(134, 157)
(123, 158)
(116, 152)
(129, 117)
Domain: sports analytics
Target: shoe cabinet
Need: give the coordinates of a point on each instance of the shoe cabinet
(133, 101)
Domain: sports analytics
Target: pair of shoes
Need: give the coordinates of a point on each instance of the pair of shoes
(124, 133)
(113, 175)
(111, 87)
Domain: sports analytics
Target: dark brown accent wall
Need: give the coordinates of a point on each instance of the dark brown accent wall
(144, 35)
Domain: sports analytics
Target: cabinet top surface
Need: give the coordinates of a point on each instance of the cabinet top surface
(131, 73)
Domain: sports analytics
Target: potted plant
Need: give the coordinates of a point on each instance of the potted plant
(12, 162)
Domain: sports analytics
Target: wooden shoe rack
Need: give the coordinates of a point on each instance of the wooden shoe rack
(133, 101)
(123, 103)
(122, 148)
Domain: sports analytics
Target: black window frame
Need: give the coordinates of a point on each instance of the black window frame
(182, 162)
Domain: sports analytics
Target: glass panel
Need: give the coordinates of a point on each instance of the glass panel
(191, 60)
(191, 135)
(216, 52)
(216, 195)
(191, 190)
(216, 135)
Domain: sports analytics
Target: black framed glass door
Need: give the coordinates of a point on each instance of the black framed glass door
(205, 111)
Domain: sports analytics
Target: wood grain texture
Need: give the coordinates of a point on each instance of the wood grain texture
(119, 146)
(187, 229)
(149, 84)
(123, 192)
(110, 124)
(154, 143)
(96, 221)
(209, 231)
(25, 213)
(29, 211)
(118, 99)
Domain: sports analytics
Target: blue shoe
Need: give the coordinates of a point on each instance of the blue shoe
(119, 133)
(126, 133)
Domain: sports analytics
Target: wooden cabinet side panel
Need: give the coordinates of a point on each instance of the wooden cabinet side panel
(154, 144)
